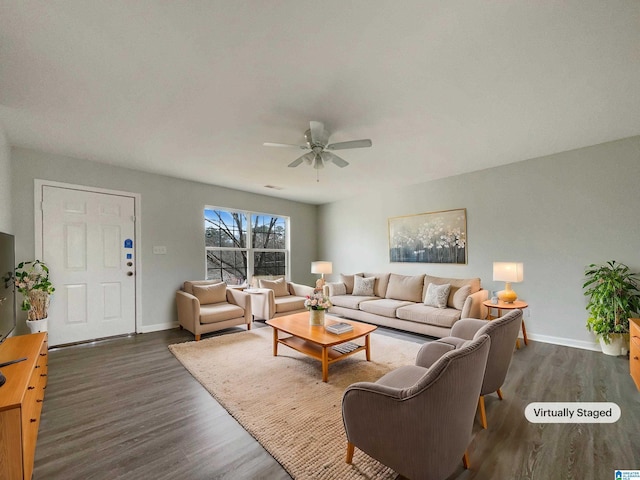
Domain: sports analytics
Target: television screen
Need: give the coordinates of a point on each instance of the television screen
(7, 292)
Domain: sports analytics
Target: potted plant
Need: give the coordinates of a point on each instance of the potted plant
(32, 281)
(613, 298)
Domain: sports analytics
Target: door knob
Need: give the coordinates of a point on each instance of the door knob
(129, 274)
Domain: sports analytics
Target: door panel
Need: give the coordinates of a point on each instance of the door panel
(86, 238)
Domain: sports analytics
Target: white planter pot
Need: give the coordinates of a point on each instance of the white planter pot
(618, 345)
(36, 326)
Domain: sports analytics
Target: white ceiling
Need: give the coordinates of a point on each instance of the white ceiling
(193, 89)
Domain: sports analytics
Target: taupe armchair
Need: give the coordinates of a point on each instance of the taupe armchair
(278, 298)
(418, 421)
(503, 332)
(206, 306)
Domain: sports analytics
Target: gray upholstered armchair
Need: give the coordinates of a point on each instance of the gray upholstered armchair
(205, 306)
(418, 421)
(503, 332)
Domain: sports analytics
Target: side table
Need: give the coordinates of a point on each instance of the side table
(500, 306)
(259, 302)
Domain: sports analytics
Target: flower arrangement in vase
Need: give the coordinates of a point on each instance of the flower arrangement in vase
(317, 303)
(32, 281)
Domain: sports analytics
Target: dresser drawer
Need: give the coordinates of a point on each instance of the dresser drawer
(634, 350)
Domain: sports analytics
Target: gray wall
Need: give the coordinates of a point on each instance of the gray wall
(171, 216)
(556, 214)
(5, 185)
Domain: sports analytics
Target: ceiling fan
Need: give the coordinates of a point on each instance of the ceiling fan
(317, 141)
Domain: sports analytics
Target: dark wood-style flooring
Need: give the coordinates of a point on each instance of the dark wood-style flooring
(125, 408)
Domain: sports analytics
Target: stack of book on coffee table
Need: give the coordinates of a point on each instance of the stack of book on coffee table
(340, 327)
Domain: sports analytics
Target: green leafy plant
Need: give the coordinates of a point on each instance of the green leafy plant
(32, 281)
(613, 298)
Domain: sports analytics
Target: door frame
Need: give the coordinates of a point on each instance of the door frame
(38, 185)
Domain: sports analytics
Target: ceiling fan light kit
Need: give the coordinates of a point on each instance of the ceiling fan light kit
(317, 138)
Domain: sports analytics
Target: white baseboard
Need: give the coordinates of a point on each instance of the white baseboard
(567, 342)
(157, 327)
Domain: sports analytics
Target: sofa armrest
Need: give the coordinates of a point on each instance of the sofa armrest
(473, 307)
(300, 290)
(243, 300)
(188, 310)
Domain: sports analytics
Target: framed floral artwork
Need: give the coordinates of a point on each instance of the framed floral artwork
(436, 237)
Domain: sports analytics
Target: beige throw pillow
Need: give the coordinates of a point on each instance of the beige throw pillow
(278, 286)
(214, 293)
(363, 286)
(337, 288)
(437, 295)
(348, 281)
(460, 296)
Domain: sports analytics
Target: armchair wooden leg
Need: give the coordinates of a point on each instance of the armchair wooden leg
(483, 413)
(197, 338)
(350, 449)
(499, 392)
(465, 460)
(248, 326)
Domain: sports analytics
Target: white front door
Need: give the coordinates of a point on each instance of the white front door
(88, 241)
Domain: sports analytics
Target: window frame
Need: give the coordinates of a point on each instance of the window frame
(249, 249)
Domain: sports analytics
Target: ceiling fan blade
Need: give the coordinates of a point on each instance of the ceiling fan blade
(307, 157)
(336, 160)
(317, 162)
(350, 144)
(285, 145)
(319, 135)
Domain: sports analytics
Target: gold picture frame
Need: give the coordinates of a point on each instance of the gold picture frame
(435, 237)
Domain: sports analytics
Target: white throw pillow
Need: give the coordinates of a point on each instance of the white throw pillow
(337, 288)
(460, 296)
(363, 286)
(437, 295)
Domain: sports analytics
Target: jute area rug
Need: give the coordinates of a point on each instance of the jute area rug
(283, 403)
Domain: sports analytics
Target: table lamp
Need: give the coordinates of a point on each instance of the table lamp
(507, 272)
(321, 268)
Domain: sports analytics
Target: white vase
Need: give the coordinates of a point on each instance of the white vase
(316, 317)
(618, 345)
(36, 326)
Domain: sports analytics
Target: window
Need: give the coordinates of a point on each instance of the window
(243, 245)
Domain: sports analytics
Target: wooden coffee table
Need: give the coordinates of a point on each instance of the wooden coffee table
(316, 342)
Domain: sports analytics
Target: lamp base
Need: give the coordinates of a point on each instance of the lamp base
(507, 295)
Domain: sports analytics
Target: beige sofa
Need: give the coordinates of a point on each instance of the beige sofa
(275, 298)
(206, 306)
(398, 301)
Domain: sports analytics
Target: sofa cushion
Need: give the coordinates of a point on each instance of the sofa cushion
(278, 286)
(219, 312)
(289, 303)
(382, 280)
(213, 293)
(189, 284)
(460, 296)
(348, 281)
(421, 313)
(455, 283)
(403, 287)
(385, 306)
(363, 286)
(337, 288)
(437, 295)
(350, 301)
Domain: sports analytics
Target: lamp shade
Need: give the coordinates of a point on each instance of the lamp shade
(508, 272)
(321, 267)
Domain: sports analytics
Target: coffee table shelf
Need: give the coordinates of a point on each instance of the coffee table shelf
(316, 342)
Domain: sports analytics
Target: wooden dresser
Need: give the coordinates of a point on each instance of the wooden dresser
(21, 399)
(634, 350)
